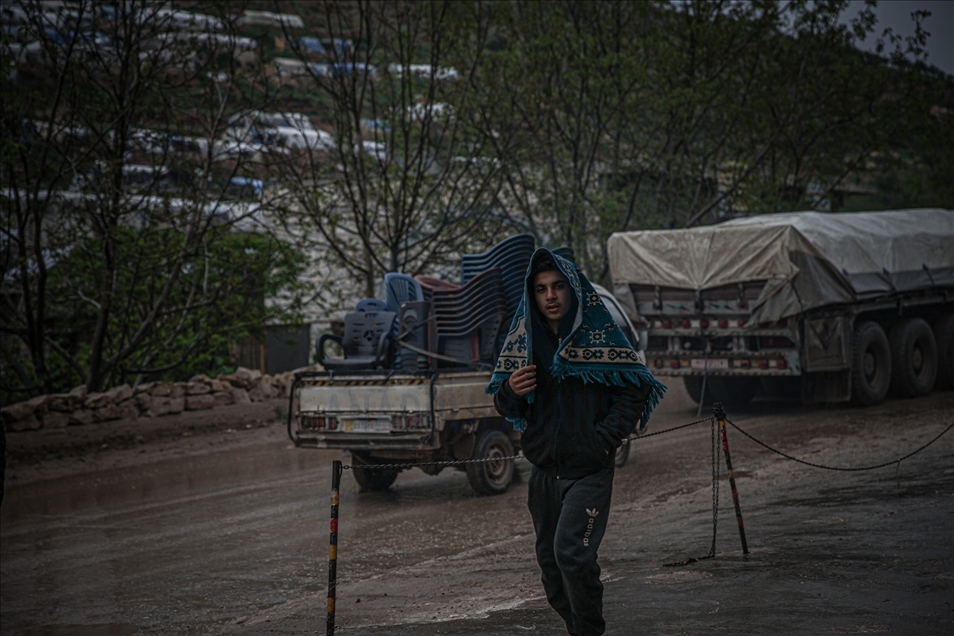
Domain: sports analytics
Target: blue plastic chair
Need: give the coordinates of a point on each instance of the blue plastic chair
(371, 304)
(401, 288)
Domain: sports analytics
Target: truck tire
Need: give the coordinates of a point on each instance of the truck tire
(733, 392)
(944, 336)
(913, 358)
(622, 454)
(870, 365)
(693, 384)
(493, 477)
(371, 480)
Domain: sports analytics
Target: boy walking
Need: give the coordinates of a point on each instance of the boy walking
(569, 380)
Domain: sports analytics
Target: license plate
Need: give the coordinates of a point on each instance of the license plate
(367, 426)
(711, 363)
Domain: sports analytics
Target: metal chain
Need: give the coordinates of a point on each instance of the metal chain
(668, 430)
(442, 463)
(813, 465)
(455, 462)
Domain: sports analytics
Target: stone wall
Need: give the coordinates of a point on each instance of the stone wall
(152, 399)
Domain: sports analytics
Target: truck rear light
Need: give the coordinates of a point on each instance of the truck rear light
(659, 363)
(331, 423)
(704, 323)
(780, 364)
(745, 364)
(723, 324)
(741, 323)
(674, 364)
(686, 324)
(414, 421)
(316, 422)
(667, 324)
(763, 364)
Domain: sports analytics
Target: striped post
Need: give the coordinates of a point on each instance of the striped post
(333, 548)
(719, 414)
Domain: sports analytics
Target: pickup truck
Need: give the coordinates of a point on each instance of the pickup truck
(384, 416)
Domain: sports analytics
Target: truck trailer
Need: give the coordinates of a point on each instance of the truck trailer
(834, 306)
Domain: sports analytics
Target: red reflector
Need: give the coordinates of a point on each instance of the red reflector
(741, 323)
(667, 324)
(686, 324)
(659, 363)
(332, 423)
(763, 364)
(674, 364)
(704, 324)
(745, 364)
(723, 324)
(780, 364)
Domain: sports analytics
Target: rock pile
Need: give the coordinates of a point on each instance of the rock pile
(152, 399)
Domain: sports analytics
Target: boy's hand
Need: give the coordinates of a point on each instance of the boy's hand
(523, 380)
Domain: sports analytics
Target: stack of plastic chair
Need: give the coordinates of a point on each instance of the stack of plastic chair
(565, 252)
(400, 289)
(429, 284)
(512, 255)
(366, 342)
(465, 320)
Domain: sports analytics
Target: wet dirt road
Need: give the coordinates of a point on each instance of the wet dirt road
(236, 541)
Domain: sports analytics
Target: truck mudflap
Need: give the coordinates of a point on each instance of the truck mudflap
(383, 410)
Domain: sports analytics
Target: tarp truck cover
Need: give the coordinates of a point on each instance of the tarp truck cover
(808, 259)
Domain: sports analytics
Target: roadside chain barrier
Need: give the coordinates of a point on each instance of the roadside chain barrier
(718, 421)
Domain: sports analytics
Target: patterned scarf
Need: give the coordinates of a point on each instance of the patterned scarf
(594, 351)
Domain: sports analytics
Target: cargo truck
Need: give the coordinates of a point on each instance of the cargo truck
(828, 307)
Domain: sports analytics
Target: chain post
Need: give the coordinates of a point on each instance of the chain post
(333, 548)
(719, 413)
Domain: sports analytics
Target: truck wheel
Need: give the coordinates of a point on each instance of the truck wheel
(370, 480)
(493, 477)
(733, 392)
(913, 358)
(944, 336)
(622, 454)
(870, 365)
(693, 384)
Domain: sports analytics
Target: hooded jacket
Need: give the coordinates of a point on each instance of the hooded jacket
(573, 427)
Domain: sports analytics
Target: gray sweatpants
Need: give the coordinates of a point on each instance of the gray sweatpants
(569, 517)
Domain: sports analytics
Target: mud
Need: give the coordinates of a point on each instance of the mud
(227, 533)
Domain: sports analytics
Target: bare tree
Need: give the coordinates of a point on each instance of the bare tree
(119, 250)
(409, 180)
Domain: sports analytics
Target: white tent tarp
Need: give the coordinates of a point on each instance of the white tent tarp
(807, 259)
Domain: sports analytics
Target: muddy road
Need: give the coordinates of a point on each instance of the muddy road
(227, 533)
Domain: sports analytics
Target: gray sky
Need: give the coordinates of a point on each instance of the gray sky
(897, 15)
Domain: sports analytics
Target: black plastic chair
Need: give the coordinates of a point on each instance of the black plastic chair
(412, 330)
(366, 342)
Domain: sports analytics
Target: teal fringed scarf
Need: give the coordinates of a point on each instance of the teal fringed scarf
(594, 351)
